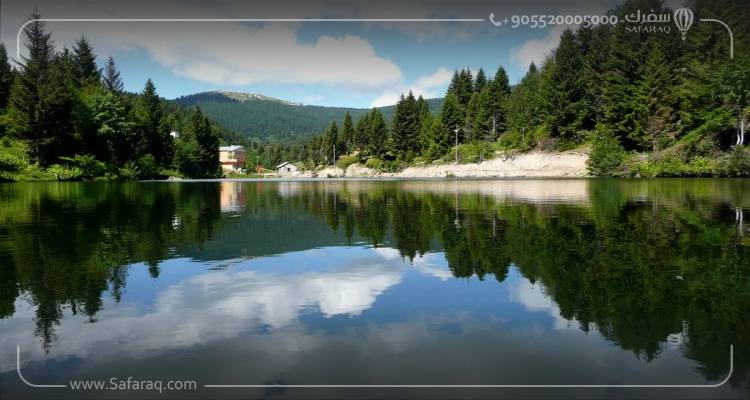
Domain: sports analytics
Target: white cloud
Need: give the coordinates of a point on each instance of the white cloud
(244, 54)
(427, 86)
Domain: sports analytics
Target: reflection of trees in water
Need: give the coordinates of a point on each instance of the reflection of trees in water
(636, 271)
(70, 243)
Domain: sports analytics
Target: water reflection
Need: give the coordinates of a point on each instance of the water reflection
(107, 270)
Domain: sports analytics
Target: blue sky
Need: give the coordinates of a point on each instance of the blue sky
(348, 64)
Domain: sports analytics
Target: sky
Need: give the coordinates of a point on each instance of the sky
(348, 64)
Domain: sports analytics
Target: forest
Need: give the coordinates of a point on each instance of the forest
(642, 103)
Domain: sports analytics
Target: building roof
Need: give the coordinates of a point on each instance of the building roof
(231, 148)
(285, 163)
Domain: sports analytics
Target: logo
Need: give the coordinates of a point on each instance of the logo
(683, 18)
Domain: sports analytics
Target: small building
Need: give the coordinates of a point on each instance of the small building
(232, 158)
(287, 169)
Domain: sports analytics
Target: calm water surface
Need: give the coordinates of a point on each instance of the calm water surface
(362, 282)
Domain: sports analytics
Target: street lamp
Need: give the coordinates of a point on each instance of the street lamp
(456, 131)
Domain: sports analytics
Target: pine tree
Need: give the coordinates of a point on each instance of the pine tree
(347, 133)
(84, 61)
(6, 78)
(111, 79)
(480, 81)
(361, 132)
(331, 147)
(656, 127)
(523, 109)
(377, 133)
(566, 89)
(207, 142)
(462, 86)
(155, 139)
(40, 103)
(452, 113)
(499, 93)
(405, 127)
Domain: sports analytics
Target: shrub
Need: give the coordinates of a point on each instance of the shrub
(345, 161)
(737, 164)
(88, 166)
(147, 167)
(65, 172)
(374, 163)
(12, 159)
(607, 155)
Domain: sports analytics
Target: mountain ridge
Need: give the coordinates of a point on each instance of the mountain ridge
(271, 120)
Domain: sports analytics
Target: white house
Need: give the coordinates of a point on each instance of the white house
(287, 169)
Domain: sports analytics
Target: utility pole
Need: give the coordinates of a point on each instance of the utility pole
(456, 130)
(334, 155)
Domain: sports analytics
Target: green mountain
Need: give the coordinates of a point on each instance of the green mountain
(267, 119)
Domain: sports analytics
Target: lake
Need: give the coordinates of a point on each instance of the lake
(512, 282)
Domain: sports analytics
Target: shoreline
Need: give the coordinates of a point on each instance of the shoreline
(569, 164)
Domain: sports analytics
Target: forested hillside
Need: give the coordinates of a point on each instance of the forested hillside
(269, 120)
(646, 101)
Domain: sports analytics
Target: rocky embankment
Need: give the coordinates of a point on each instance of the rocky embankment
(536, 164)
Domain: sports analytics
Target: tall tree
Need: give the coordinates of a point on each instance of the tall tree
(155, 138)
(480, 81)
(84, 62)
(499, 92)
(6, 77)
(566, 89)
(207, 142)
(405, 127)
(377, 131)
(111, 78)
(452, 113)
(347, 133)
(360, 132)
(40, 103)
(331, 147)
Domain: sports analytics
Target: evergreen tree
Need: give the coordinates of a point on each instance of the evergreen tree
(111, 79)
(155, 139)
(524, 107)
(207, 142)
(40, 103)
(452, 114)
(655, 108)
(361, 132)
(377, 132)
(566, 89)
(6, 77)
(594, 44)
(499, 93)
(331, 147)
(347, 133)
(480, 81)
(405, 127)
(462, 86)
(84, 62)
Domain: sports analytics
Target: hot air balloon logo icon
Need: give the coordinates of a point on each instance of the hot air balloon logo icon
(683, 18)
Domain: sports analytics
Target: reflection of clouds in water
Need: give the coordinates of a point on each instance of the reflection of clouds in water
(220, 305)
(430, 264)
(533, 298)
